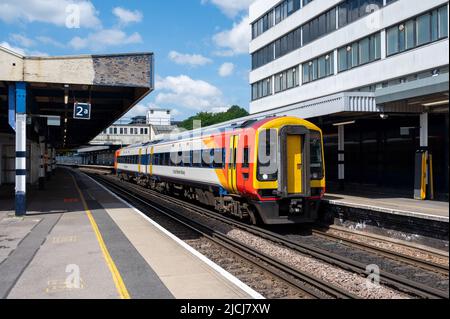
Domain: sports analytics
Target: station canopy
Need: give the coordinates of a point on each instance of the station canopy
(111, 84)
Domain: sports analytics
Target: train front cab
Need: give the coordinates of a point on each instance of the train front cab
(293, 193)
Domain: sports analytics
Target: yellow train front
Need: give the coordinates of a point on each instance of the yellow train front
(268, 170)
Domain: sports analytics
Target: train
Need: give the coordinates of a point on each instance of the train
(269, 170)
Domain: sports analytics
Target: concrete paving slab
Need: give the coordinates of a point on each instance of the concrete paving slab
(431, 210)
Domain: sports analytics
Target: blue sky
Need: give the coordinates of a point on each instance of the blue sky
(200, 46)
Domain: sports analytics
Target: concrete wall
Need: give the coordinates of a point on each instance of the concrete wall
(11, 66)
(129, 70)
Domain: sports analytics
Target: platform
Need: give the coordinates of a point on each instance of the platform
(392, 204)
(78, 241)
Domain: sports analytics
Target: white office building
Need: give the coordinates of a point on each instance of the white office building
(372, 73)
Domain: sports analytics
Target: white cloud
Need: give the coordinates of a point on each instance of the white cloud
(49, 41)
(138, 110)
(126, 16)
(185, 92)
(189, 59)
(231, 7)
(48, 11)
(105, 38)
(21, 51)
(22, 40)
(234, 41)
(226, 69)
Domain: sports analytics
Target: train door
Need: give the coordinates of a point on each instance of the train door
(232, 165)
(295, 159)
(140, 161)
(152, 150)
(294, 164)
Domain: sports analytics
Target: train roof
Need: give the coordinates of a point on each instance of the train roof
(241, 123)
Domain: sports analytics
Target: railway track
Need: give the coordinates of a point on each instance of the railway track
(414, 261)
(308, 284)
(387, 278)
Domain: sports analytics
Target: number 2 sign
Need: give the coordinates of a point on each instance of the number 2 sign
(82, 111)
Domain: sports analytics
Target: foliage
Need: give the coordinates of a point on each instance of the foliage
(208, 119)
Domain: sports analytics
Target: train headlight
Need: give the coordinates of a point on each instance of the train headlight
(265, 177)
(315, 176)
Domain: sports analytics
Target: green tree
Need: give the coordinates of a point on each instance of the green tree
(209, 119)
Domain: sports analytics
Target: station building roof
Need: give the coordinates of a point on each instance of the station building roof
(113, 84)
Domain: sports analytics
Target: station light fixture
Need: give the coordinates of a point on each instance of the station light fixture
(437, 103)
(66, 94)
(344, 123)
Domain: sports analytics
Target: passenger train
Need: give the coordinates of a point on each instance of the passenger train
(267, 170)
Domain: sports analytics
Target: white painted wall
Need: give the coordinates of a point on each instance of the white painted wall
(159, 117)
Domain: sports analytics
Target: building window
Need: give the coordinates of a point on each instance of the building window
(115, 131)
(121, 131)
(263, 24)
(286, 80)
(318, 68)
(359, 53)
(352, 10)
(262, 89)
(288, 43)
(125, 131)
(426, 28)
(319, 26)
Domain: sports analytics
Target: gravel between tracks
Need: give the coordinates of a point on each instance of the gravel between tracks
(350, 281)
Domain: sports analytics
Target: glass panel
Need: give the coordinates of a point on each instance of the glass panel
(409, 35)
(277, 83)
(342, 57)
(364, 55)
(314, 70)
(322, 67)
(434, 25)
(443, 22)
(305, 73)
(290, 79)
(401, 38)
(392, 41)
(342, 15)
(354, 54)
(424, 29)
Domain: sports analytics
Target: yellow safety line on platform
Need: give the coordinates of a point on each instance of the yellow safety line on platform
(117, 278)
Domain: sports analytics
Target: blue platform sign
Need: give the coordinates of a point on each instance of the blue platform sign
(82, 111)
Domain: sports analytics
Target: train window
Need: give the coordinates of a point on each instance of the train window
(219, 158)
(197, 158)
(268, 156)
(316, 156)
(246, 158)
(207, 158)
(187, 158)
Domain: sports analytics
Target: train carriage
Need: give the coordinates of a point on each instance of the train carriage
(269, 170)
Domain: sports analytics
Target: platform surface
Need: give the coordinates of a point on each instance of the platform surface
(78, 241)
(431, 210)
